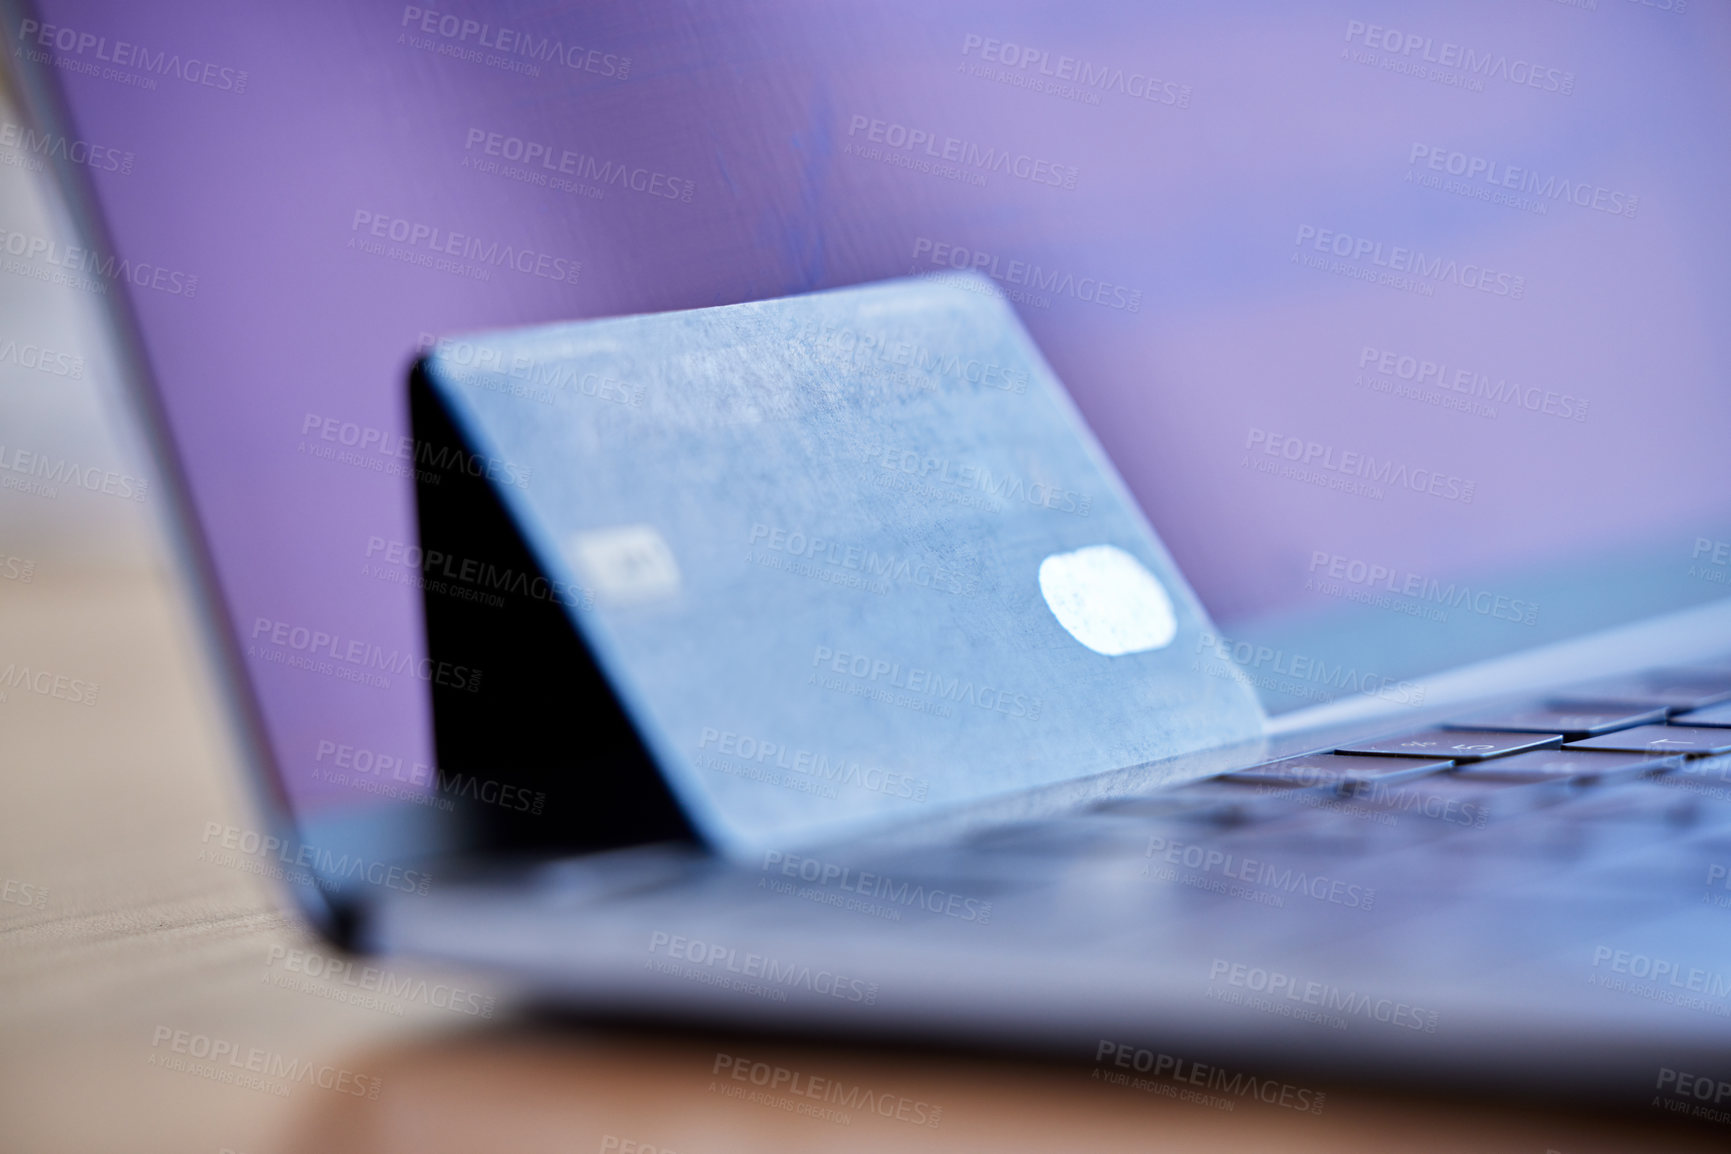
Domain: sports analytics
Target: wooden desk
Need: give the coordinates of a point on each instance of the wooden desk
(139, 949)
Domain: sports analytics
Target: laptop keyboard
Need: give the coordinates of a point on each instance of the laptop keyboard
(1412, 866)
(1578, 780)
(1372, 856)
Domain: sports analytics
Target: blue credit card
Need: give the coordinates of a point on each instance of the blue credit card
(847, 558)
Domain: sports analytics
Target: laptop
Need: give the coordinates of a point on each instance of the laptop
(1193, 541)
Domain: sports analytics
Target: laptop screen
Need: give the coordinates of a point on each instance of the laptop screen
(1404, 324)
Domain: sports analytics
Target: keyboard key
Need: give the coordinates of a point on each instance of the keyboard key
(1454, 744)
(1332, 769)
(1573, 724)
(1718, 716)
(1567, 765)
(1452, 799)
(1210, 801)
(1688, 740)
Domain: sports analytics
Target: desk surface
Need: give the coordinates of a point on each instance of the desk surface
(135, 947)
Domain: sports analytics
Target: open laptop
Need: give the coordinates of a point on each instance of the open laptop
(1398, 331)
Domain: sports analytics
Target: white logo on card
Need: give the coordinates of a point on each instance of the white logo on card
(1107, 600)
